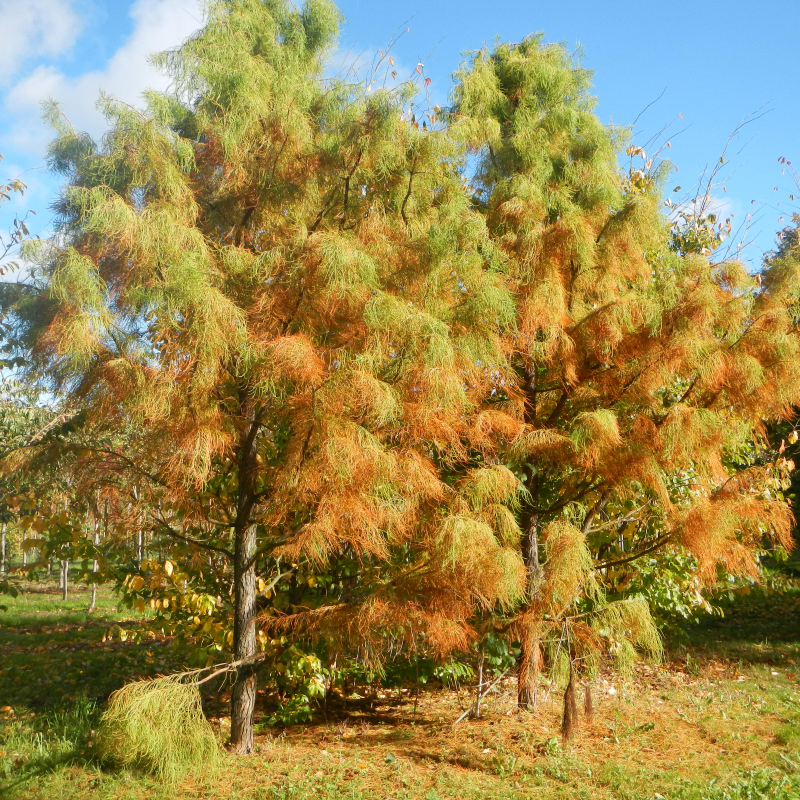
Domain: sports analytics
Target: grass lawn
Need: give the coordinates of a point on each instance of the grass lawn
(719, 721)
(51, 651)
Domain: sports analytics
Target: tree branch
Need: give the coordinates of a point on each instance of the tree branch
(170, 531)
(408, 193)
(655, 546)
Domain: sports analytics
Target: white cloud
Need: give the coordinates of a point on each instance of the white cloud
(34, 28)
(159, 25)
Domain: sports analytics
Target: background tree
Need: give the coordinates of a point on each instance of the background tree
(23, 417)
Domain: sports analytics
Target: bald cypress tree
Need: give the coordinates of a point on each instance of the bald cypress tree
(643, 373)
(260, 278)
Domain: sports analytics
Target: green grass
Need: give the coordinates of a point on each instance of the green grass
(721, 721)
(53, 653)
(34, 749)
(756, 629)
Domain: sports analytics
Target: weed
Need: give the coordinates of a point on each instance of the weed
(754, 785)
(553, 746)
(504, 764)
(789, 735)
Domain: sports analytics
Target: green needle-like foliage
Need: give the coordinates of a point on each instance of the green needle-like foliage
(158, 725)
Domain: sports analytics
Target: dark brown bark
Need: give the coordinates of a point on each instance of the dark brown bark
(570, 719)
(408, 193)
(245, 643)
(243, 695)
(529, 663)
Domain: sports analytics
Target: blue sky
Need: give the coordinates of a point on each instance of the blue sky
(711, 64)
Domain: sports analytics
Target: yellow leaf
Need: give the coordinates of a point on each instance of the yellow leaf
(168, 567)
(136, 583)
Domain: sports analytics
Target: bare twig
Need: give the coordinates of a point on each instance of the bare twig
(490, 688)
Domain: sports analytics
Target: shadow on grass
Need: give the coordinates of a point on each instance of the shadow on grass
(754, 629)
(52, 657)
(36, 747)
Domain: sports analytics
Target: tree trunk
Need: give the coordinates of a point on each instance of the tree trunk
(529, 665)
(243, 696)
(529, 662)
(95, 566)
(530, 659)
(480, 687)
(3, 550)
(64, 578)
(245, 643)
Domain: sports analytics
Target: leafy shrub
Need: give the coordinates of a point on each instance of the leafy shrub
(669, 584)
(753, 785)
(299, 678)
